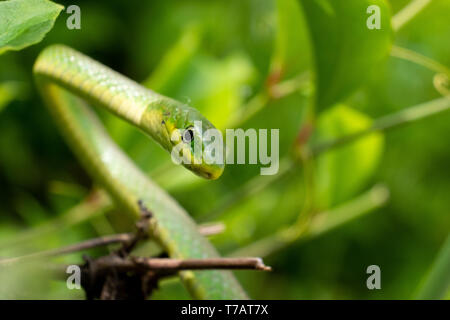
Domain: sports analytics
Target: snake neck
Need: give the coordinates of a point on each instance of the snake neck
(94, 82)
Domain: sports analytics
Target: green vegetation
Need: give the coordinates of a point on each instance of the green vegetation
(363, 118)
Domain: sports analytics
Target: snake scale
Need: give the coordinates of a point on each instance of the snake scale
(68, 82)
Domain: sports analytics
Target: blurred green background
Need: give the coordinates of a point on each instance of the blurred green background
(222, 58)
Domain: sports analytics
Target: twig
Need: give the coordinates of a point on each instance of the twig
(400, 118)
(202, 264)
(172, 265)
(441, 83)
(206, 230)
(114, 276)
(88, 244)
(319, 224)
(391, 121)
(95, 204)
(261, 100)
(440, 79)
(417, 58)
(437, 283)
(353, 209)
(251, 187)
(211, 229)
(408, 13)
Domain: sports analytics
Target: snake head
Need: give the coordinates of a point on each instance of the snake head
(190, 138)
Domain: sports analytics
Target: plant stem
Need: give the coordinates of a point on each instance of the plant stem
(206, 230)
(97, 203)
(408, 13)
(441, 83)
(259, 101)
(211, 229)
(329, 220)
(319, 224)
(437, 282)
(400, 118)
(412, 56)
(251, 187)
(391, 121)
(88, 244)
(198, 264)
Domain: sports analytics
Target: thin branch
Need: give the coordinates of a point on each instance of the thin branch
(319, 224)
(441, 83)
(440, 79)
(252, 107)
(412, 56)
(354, 209)
(202, 264)
(95, 204)
(258, 183)
(151, 268)
(408, 13)
(400, 118)
(109, 276)
(437, 283)
(276, 91)
(211, 229)
(206, 230)
(171, 265)
(251, 187)
(301, 82)
(85, 245)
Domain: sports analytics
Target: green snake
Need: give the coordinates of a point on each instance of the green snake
(67, 81)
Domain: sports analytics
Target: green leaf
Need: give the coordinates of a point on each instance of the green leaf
(292, 53)
(345, 50)
(342, 172)
(25, 22)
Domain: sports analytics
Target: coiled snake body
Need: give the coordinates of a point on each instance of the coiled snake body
(67, 80)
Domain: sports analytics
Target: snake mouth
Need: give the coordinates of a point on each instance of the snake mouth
(215, 175)
(210, 172)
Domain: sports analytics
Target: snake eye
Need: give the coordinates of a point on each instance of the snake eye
(188, 135)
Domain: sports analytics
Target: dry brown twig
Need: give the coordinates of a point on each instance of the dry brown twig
(206, 230)
(119, 275)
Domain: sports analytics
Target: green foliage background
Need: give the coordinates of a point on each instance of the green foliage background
(226, 57)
